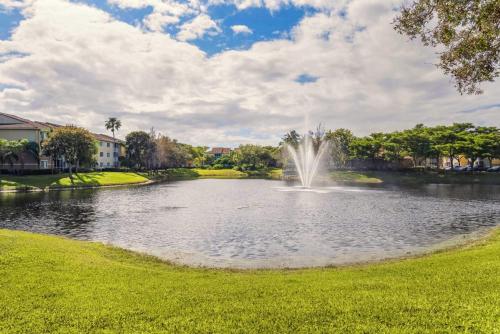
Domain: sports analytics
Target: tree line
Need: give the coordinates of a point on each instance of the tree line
(421, 146)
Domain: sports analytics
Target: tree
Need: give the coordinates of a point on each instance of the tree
(417, 143)
(366, 148)
(255, 157)
(394, 146)
(291, 138)
(113, 124)
(445, 140)
(199, 154)
(341, 140)
(11, 151)
(140, 147)
(468, 31)
(76, 145)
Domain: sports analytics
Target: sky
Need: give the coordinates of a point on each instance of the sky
(225, 72)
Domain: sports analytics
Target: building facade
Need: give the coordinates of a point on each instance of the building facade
(218, 152)
(109, 149)
(17, 128)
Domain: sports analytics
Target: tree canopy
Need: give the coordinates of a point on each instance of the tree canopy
(76, 145)
(467, 32)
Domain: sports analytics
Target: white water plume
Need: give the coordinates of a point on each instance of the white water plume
(307, 160)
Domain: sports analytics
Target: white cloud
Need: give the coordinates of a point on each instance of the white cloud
(241, 29)
(197, 28)
(71, 63)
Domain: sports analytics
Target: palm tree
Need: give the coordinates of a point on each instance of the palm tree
(113, 124)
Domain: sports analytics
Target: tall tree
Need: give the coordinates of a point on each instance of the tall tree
(76, 145)
(140, 147)
(11, 151)
(468, 32)
(341, 140)
(292, 138)
(113, 124)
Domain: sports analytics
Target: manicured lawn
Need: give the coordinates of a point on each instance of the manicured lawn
(62, 180)
(220, 173)
(180, 173)
(50, 284)
(415, 177)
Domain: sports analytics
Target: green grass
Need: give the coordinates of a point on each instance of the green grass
(415, 177)
(62, 180)
(186, 173)
(55, 285)
(354, 177)
(220, 173)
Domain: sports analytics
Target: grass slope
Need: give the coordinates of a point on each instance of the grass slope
(179, 173)
(62, 180)
(415, 177)
(50, 284)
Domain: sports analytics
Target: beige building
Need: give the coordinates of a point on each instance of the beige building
(16, 128)
(109, 150)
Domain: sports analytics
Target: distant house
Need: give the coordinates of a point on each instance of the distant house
(218, 152)
(463, 161)
(109, 150)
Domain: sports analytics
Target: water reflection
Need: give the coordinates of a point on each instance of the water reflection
(255, 223)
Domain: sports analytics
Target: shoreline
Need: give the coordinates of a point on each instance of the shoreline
(469, 241)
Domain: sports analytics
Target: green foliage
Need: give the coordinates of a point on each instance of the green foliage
(421, 142)
(340, 141)
(292, 138)
(113, 124)
(57, 285)
(43, 182)
(254, 157)
(11, 150)
(140, 149)
(467, 32)
(76, 145)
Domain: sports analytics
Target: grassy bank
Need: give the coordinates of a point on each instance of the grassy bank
(414, 177)
(51, 284)
(8, 182)
(182, 173)
(37, 182)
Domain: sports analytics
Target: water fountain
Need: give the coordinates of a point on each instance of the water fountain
(306, 159)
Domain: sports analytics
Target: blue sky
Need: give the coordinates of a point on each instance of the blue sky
(225, 72)
(264, 23)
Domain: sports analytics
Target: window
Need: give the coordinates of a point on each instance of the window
(101, 154)
(44, 164)
(107, 154)
(115, 154)
(108, 144)
(109, 164)
(100, 164)
(100, 143)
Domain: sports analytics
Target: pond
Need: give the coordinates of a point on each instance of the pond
(261, 223)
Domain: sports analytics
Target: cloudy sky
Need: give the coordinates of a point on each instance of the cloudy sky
(224, 72)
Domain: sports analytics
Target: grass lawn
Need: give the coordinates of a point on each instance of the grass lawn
(62, 180)
(415, 177)
(50, 284)
(180, 173)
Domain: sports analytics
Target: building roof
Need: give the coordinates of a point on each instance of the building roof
(103, 137)
(17, 123)
(220, 150)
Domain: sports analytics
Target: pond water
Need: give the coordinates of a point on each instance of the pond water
(261, 223)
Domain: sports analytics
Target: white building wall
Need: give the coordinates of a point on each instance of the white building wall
(107, 155)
